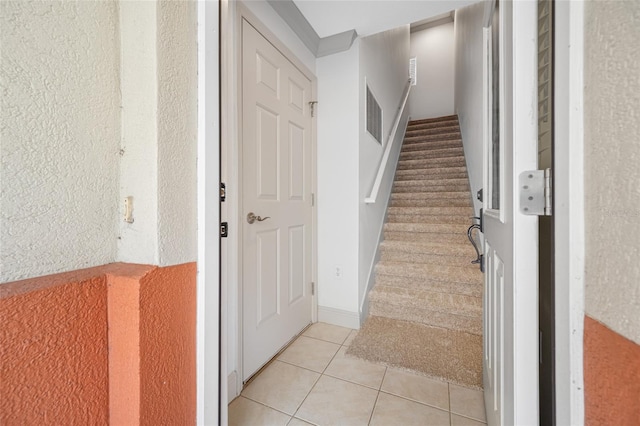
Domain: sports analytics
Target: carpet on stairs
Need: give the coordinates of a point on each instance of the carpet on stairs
(426, 305)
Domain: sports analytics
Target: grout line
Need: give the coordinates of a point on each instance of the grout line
(264, 405)
(373, 409)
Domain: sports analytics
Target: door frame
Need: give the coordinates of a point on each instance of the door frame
(231, 174)
(209, 337)
(569, 211)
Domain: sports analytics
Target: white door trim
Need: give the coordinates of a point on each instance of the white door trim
(208, 362)
(569, 211)
(232, 172)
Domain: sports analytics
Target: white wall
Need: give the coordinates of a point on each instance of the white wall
(60, 136)
(384, 66)
(338, 191)
(159, 113)
(101, 104)
(177, 131)
(468, 90)
(434, 50)
(138, 241)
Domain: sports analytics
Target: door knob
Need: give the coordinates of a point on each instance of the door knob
(251, 217)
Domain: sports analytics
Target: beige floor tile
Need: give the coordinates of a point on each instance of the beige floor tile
(298, 422)
(244, 412)
(393, 410)
(355, 370)
(350, 338)
(281, 386)
(417, 388)
(310, 353)
(336, 402)
(328, 332)
(468, 402)
(457, 420)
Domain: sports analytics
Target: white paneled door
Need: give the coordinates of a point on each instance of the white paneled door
(276, 209)
(510, 332)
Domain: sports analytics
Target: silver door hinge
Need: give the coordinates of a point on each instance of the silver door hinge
(313, 199)
(312, 106)
(536, 192)
(313, 289)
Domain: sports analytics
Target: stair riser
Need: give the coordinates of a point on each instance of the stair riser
(430, 203)
(434, 119)
(413, 139)
(433, 258)
(424, 237)
(420, 182)
(455, 304)
(423, 126)
(429, 187)
(424, 283)
(465, 275)
(422, 146)
(435, 211)
(430, 219)
(432, 318)
(429, 154)
(427, 196)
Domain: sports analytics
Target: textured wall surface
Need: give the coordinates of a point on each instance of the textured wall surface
(168, 346)
(138, 241)
(53, 350)
(60, 136)
(612, 155)
(114, 343)
(177, 131)
(612, 377)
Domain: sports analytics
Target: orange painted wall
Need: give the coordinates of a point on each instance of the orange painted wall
(167, 346)
(53, 351)
(611, 377)
(108, 345)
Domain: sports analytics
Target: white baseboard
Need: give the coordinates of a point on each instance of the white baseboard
(339, 317)
(232, 386)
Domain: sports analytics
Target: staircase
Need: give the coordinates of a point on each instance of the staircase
(426, 306)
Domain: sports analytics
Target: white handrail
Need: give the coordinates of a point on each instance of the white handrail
(371, 199)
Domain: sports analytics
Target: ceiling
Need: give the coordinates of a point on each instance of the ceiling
(329, 17)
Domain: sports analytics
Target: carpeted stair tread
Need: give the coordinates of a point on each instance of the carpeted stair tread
(429, 317)
(424, 279)
(408, 202)
(425, 252)
(443, 185)
(457, 304)
(435, 352)
(426, 195)
(432, 153)
(430, 284)
(429, 163)
(425, 211)
(432, 173)
(419, 131)
(427, 228)
(432, 219)
(437, 144)
(468, 274)
(419, 138)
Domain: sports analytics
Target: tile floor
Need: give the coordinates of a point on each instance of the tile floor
(313, 382)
